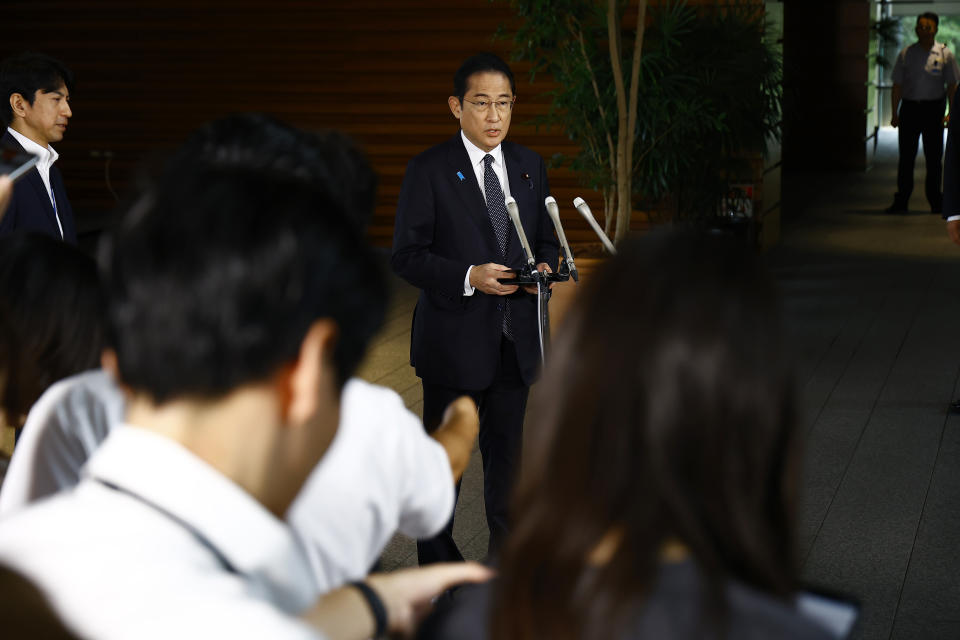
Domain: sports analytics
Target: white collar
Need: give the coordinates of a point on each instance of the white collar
(166, 475)
(477, 154)
(48, 154)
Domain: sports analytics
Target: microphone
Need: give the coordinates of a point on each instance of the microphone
(584, 210)
(515, 216)
(554, 212)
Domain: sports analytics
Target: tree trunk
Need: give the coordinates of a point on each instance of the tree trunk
(622, 169)
(623, 222)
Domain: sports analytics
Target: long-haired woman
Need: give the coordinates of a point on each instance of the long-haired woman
(658, 490)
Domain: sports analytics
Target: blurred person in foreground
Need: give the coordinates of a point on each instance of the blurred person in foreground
(382, 473)
(52, 309)
(657, 495)
(239, 302)
(25, 612)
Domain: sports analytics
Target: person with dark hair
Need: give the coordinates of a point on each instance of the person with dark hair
(918, 98)
(239, 301)
(347, 511)
(35, 109)
(51, 300)
(25, 612)
(329, 158)
(657, 498)
(473, 334)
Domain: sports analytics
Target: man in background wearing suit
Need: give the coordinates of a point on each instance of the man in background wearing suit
(35, 107)
(473, 335)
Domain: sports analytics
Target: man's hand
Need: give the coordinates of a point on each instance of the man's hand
(532, 288)
(407, 593)
(895, 121)
(953, 230)
(6, 192)
(484, 277)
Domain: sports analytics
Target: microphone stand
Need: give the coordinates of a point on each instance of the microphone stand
(528, 274)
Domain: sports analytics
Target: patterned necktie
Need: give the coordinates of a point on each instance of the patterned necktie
(495, 203)
(501, 225)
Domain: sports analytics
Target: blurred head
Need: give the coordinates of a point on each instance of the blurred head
(220, 269)
(25, 611)
(329, 159)
(238, 281)
(666, 415)
(482, 100)
(35, 96)
(52, 310)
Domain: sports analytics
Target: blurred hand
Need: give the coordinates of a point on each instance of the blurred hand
(456, 433)
(463, 409)
(953, 230)
(895, 121)
(484, 277)
(407, 594)
(6, 193)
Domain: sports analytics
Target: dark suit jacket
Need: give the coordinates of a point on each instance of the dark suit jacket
(443, 227)
(951, 164)
(30, 208)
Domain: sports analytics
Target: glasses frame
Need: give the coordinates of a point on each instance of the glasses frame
(495, 104)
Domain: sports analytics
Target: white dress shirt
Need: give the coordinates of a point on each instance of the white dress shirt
(64, 427)
(477, 155)
(155, 543)
(382, 473)
(47, 157)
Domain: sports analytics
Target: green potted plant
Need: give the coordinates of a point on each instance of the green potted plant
(666, 111)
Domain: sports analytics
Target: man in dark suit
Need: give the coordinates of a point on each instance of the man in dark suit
(473, 335)
(35, 107)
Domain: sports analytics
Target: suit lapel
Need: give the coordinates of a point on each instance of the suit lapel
(521, 183)
(63, 204)
(522, 190)
(463, 180)
(36, 182)
(33, 177)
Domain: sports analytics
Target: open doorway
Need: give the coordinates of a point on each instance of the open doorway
(894, 30)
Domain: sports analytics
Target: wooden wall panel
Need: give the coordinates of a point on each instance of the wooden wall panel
(150, 71)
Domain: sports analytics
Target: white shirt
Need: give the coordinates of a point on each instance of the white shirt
(155, 543)
(382, 474)
(924, 74)
(382, 471)
(498, 165)
(64, 427)
(47, 157)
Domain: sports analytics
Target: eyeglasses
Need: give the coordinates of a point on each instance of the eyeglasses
(502, 106)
